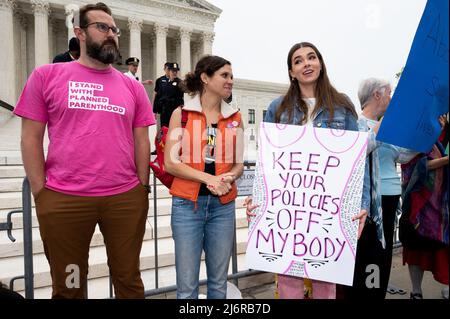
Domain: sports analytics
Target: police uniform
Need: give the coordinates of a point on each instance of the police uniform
(131, 60)
(160, 83)
(74, 46)
(170, 97)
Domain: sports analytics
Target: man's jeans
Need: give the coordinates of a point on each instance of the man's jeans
(206, 225)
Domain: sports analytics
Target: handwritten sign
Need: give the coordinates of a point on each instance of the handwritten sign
(308, 185)
(411, 121)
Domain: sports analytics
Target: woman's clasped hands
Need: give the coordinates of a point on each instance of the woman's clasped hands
(220, 185)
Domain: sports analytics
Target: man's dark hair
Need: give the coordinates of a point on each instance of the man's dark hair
(80, 17)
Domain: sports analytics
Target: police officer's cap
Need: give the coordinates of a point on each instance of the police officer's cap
(132, 60)
(173, 66)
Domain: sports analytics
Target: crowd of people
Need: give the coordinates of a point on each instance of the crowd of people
(97, 173)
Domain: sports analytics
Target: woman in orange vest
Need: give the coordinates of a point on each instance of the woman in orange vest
(206, 157)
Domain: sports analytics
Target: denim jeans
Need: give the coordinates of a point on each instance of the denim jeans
(207, 226)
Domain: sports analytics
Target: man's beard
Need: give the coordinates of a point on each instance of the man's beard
(107, 52)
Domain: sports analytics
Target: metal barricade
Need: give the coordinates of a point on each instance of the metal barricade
(28, 275)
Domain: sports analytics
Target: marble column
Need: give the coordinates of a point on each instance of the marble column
(70, 9)
(20, 43)
(185, 39)
(196, 48)
(156, 73)
(22, 74)
(23, 51)
(7, 59)
(52, 33)
(177, 51)
(41, 10)
(135, 26)
(208, 39)
(161, 46)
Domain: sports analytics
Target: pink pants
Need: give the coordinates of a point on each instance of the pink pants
(290, 287)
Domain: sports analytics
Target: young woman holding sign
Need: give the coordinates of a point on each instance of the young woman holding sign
(310, 100)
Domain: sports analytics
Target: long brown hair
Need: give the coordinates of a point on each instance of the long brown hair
(326, 95)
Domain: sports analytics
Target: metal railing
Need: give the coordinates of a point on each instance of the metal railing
(28, 275)
(7, 106)
(28, 246)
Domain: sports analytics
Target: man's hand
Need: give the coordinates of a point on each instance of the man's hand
(36, 189)
(147, 82)
(362, 216)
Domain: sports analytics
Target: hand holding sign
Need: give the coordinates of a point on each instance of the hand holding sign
(362, 216)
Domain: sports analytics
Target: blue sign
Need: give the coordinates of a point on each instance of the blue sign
(411, 120)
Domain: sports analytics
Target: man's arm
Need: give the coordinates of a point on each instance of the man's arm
(142, 153)
(33, 153)
(147, 82)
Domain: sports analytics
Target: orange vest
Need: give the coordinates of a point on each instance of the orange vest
(193, 147)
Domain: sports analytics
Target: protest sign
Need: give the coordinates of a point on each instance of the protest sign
(308, 185)
(411, 121)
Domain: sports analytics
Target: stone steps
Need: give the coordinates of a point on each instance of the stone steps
(14, 184)
(10, 249)
(99, 287)
(12, 171)
(10, 158)
(163, 208)
(11, 184)
(18, 171)
(13, 200)
(98, 268)
(11, 254)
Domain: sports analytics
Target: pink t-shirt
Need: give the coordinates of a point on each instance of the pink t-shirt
(90, 115)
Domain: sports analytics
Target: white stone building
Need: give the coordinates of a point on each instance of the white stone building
(155, 31)
(32, 32)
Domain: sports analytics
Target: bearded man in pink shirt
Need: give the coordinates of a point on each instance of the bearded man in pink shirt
(96, 171)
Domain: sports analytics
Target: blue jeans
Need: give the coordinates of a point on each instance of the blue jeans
(207, 226)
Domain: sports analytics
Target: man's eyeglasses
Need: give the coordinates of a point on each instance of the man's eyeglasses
(103, 27)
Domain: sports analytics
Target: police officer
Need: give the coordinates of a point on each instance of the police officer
(72, 54)
(160, 83)
(133, 65)
(170, 96)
